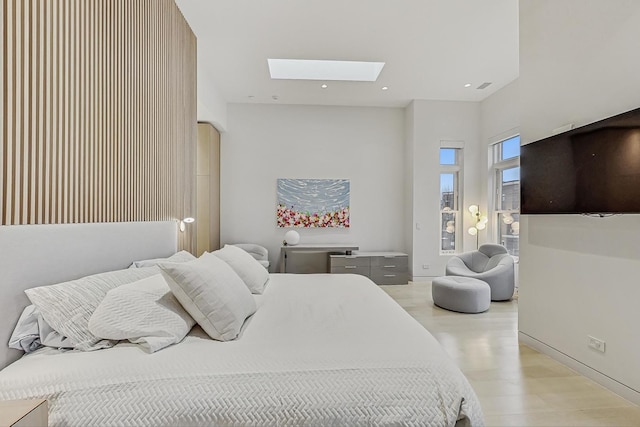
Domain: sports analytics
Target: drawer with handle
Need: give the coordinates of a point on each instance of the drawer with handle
(349, 261)
(350, 269)
(344, 264)
(390, 278)
(398, 261)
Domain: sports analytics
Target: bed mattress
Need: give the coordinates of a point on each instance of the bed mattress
(320, 350)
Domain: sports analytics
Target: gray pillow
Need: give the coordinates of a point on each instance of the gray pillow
(33, 332)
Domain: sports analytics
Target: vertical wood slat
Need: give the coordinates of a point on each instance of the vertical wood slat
(12, 153)
(21, 163)
(3, 106)
(98, 112)
(6, 102)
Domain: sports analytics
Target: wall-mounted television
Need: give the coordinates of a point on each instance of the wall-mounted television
(594, 169)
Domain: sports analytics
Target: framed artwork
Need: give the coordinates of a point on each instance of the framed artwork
(311, 203)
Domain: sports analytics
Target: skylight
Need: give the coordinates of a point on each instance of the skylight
(305, 69)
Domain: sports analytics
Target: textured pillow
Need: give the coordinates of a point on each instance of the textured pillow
(252, 273)
(182, 256)
(212, 293)
(144, 312)
(68, 306)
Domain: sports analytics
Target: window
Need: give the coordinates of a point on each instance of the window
(508, 149)
(506, 167)
(448, 156)
(449, 198)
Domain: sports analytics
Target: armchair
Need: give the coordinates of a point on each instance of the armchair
(492, 264)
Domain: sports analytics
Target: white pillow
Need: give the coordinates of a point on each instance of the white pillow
(212, 293)
(252, 273)
(182, 256)
(144, 312)
(68, 306)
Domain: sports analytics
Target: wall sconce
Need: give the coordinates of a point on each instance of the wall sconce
(187, 220)
(481, 222)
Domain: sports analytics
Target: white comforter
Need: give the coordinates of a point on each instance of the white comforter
(320, 350)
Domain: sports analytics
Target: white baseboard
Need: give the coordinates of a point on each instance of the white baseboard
(605, 381)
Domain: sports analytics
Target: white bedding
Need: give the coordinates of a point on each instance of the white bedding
(320, 350)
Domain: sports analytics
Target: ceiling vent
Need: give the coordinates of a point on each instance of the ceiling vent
(483, 85)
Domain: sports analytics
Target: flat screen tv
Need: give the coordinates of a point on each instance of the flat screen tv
(594, 169)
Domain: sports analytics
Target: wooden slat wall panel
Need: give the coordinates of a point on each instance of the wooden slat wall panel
(98, 112)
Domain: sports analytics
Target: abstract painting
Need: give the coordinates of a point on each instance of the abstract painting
(311, 203)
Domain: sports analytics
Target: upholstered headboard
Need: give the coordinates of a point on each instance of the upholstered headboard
(36, 255)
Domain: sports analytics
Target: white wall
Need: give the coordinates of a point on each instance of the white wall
(434, 122)
(499, 119)
(267, 142)
(579, 276)
(212, 107)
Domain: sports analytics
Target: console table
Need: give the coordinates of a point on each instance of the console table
(313, 258)
(384, 268)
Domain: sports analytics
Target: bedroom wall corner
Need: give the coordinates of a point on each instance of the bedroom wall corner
(499, 119)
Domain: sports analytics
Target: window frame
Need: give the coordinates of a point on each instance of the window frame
(497, 167)
(457, 171)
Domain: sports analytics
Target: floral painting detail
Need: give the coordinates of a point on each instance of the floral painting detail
(291, 218)
(313, 203)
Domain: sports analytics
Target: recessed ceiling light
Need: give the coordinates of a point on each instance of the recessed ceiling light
(384, 88)
(467, 85)
(303, 69)
(324, 86)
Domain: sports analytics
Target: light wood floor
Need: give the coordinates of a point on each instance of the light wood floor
(517, 385)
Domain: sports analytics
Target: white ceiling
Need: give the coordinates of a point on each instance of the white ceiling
(432, 48)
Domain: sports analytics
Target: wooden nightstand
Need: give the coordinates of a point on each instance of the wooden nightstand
(32, 413)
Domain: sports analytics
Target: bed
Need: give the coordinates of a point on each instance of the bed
(320, 350)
